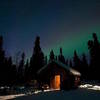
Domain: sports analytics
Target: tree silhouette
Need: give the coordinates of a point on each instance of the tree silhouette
(96, 55)
(52, 56)
(45, 60)
(9, 75)
(1, 42)
(26, 71)
(66, 62)
(84, 67)
(8, 71)
(12, 72)
(77, 62)
(94, 50)
(2, 52)
(37, 59)
(2, 62)
(61, 57)
(21, 68)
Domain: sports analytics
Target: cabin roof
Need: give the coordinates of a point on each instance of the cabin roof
(71, 70)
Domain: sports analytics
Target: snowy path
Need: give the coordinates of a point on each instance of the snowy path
(79, 94)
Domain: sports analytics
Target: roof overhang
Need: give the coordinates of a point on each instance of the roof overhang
(71, 70)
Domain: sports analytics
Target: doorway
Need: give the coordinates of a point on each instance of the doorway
(55, 82)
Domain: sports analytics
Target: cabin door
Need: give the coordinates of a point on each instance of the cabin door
(55, 82)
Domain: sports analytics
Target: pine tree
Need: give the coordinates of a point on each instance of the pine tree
(96, 54)
(46, 60)
(37, 59)
(77, 63)
(1, 43)
(67, 61)
(26, 71)
(21, 68)
(2, 53)
(12, 72)
(84, 67)
(61, 57)
(2, 62)
(94, 50)
(52, 56)
(9, 70)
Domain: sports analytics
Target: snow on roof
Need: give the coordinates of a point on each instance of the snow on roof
(73, 71)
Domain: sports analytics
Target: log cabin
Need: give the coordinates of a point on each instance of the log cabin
(58, 76)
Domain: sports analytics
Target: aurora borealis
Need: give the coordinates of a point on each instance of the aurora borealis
(59, 23)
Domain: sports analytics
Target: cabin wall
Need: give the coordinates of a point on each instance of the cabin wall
(67, 80)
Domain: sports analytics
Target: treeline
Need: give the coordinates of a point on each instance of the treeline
(89, 71)
(26, 70)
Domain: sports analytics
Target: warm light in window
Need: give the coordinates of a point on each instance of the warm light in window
(57, 81)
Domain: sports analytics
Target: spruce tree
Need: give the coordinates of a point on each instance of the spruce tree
(76, 61)
(52, 56)
(94, 50)
(2, 63)
(26, 71)
(84, 67)
(37, 59)
(61, 57)
(21, 68)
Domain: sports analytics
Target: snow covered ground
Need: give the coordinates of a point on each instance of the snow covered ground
(80, 94)
(85, 92)
(90, 87)
(9, 97)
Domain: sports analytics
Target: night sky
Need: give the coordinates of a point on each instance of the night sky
(59, 23)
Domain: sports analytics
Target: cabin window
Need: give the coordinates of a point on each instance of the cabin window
(77, 81)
